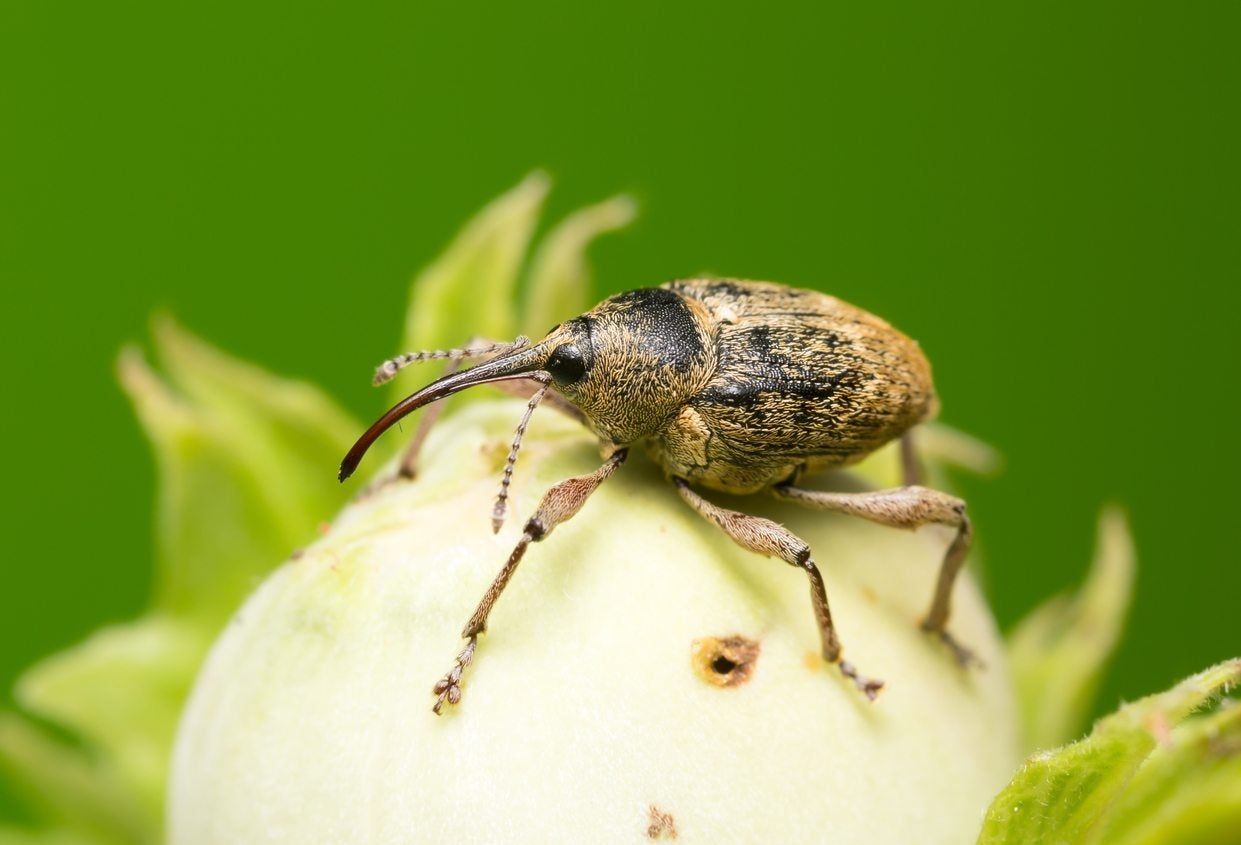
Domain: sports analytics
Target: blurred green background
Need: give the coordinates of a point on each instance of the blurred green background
(1045, 195)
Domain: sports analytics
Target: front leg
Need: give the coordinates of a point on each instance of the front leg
(907, 507)
(769, 538)
(559, 504)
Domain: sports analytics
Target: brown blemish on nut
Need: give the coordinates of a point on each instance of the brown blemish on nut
(724, 661)
(813, 661)
(870, 595)
(661, 824)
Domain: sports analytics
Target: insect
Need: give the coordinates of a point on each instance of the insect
(734, 386)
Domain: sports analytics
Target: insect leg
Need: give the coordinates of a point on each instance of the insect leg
(769, 538)
(907, 507)
(911, 467)
(559, 504)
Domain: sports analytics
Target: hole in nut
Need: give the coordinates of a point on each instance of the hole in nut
(724, 661)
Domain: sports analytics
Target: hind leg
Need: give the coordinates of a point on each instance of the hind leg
(907, 507)
(768, 538)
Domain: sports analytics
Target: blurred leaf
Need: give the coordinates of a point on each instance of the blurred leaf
(560, 282)
(470, 289)
(945, 446)
(1077, 793)
(245, 472)
(1058, 653)
(289, 432)
(245, 462)
(14, 836)
(939, 448)
(121, 690)
(69, 786)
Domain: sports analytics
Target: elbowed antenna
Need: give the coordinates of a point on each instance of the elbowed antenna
(518, 364)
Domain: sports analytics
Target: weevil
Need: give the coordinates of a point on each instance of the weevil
(739, 387)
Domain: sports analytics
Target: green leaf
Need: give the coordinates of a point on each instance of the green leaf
(1081, 792)
(1058, 652)
(1189, 792)
(560, 279)
(470, 289)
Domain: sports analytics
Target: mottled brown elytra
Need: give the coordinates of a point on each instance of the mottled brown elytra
(734, 386)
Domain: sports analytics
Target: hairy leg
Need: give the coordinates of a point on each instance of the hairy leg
(769, 538)
(907, 507)
(559, 504)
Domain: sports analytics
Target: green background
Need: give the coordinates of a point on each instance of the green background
(1045, 194)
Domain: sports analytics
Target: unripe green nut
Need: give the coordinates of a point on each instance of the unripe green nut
(596, 709)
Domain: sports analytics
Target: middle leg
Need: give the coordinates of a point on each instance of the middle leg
(769, 538)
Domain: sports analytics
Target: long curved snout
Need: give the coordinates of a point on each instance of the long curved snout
(519, 364)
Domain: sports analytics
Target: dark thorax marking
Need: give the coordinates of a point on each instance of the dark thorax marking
(664, 322)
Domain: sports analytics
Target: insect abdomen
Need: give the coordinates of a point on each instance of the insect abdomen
(802, 378)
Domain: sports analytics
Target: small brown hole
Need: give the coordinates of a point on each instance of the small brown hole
(724, 661)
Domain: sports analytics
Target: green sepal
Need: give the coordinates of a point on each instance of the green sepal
(120, 691)
(938, 448)
(245, 462)
(16, 836)
(560, 277)
(469, 290)
(70, 789)
(1092, 790)
(1189, 791)
(1059, 651)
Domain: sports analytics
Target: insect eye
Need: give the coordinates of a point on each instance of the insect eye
(567, 364)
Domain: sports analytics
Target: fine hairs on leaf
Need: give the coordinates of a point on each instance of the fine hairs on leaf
(1090, 791)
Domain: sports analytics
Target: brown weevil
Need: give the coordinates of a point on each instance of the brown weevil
(734, 386)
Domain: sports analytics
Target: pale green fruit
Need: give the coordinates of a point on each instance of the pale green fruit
(584, 718)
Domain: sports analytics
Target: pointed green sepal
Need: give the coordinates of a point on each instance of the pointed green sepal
(69, 788)
(245, 464)
(1058, 653)
(121, 691)
(1189, 791)
(1080, 794)
(938, 448)
(469, 290)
